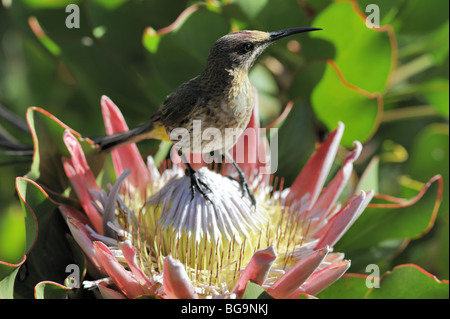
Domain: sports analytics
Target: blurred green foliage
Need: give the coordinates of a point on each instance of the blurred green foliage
(389, 85)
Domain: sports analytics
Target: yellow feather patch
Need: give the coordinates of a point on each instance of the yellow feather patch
(158, 133)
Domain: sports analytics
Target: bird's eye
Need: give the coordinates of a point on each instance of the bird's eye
(247, 47)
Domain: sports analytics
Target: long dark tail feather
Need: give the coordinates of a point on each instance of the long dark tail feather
(107, 143)
(11, 149)
(13, 119)
(14, 153)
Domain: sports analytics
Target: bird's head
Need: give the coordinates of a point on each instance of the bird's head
(238, 51)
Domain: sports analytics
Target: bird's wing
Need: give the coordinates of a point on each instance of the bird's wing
(179, 108)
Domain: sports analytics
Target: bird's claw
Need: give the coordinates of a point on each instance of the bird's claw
(245, 188)
(244, 185)
(198, 185)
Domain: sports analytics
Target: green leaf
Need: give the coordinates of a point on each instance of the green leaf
(388, 9)
(8, 273)
(293, 155)
(50, 4)
(335, 100)
(12, 234)
(31, 225)
(111, 4)
(369, 179)
(403, 282)
(181, 54)
(254, 291)
(437, 95)
(307, 79)
(151, 40)
(47, 168)
(51, 290)
(357, 74)
(148, 297)
(280, 14)
(404, 220)
(419, 17)
(50, 252)
(104, 55)
(349, 286)
(410, 282)
(363, 55)
(251, 8)
(268, 102)
(429, 155)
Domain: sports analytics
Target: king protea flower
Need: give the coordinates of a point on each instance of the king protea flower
(147, 236)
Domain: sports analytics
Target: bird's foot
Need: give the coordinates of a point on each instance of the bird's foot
(242, 180)
(197, 184)
(245, 188)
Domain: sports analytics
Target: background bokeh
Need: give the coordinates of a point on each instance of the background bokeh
(388, 85)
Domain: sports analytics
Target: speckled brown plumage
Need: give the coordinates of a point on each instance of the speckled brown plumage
(221, 97)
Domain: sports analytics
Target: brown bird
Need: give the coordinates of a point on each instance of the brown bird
(221, 97)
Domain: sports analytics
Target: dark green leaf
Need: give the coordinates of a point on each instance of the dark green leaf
(181, 54)
(410, 219)
(403, 282)
(418, 17)
(349, 286)
(292, 154)
(437, 95)
(50, 253)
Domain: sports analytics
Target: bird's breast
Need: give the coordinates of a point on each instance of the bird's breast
(241, 100)
(226, 113)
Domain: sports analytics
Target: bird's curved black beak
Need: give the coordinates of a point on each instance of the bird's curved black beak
(273, 36)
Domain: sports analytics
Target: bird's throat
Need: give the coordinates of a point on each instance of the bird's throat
(239, 84)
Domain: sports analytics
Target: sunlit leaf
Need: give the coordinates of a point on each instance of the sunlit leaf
(50, 4)
(369, 179)
(111, 4)
(350, 90)
(364, 55)
(336, 101)
(47, 166)
(51, 290)
(12, 234)
(410, 282)
(8, 273)
(255, 291)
